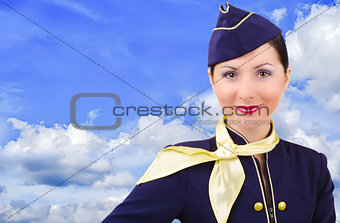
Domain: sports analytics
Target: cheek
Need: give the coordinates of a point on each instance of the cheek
(225, 95)
(272, 97)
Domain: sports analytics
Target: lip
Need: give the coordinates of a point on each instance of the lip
(248, 109)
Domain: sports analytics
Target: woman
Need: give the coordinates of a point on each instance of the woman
(246, 173)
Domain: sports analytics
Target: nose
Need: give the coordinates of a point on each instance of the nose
(246, 90)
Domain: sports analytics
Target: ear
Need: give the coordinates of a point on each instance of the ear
(287, 78)
(211, 79)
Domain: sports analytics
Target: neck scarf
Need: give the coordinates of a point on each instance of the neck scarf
(227, 176)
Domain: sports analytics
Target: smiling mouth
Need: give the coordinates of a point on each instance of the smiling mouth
(248, 109)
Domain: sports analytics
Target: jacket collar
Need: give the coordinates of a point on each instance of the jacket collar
(237, 137)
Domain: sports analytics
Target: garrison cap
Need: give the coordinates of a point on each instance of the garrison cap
(238, 32)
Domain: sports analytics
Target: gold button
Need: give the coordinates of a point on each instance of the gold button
(258, 206)
(282, 206)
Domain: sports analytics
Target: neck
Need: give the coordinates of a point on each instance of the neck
(250, 132)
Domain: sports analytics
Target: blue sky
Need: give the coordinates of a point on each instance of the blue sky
(158, 47)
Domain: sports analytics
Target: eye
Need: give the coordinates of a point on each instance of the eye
(230, 75)
(264, 73)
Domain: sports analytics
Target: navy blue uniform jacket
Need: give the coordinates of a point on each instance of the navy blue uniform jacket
(298, 175)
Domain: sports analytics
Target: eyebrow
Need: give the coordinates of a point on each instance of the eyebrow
(263, 65)
(236, 68)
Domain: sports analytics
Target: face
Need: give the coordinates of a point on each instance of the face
(256, 79)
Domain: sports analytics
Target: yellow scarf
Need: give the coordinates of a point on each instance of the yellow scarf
(227, 176)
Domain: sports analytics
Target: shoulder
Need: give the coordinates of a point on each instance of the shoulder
(298, 151)
(302, 156)
(207, 144)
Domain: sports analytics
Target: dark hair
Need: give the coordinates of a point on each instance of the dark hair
(279, 44)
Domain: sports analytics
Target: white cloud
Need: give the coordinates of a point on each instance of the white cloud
(334, 103)
(121, 179)
(43, 156)
(161, 134)
(90, 211)
(83, 212)
(286, 119)
(48, 155)
(79, 8)
(314, 52)
(26, 215)
(41, 151)
(10, 102)
(92, 115)
(205, 121)
(278, 14)
(2, 189)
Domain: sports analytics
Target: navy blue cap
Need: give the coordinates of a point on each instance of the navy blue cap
(238, 32)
